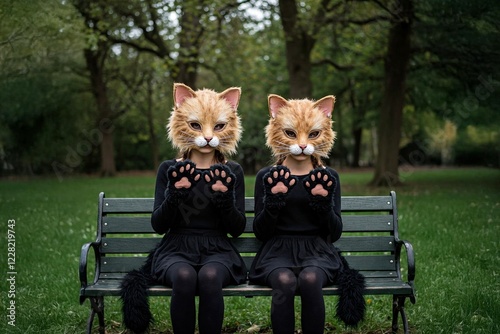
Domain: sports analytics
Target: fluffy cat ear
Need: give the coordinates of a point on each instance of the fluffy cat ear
(326, 105)
(232, 95)
(275, 103)
(181, 93)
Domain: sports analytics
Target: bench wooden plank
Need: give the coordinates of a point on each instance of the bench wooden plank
(127, 205)
(366, 203)
(367, 223)
(128, 245)
(111, 287)
(372, 274)
(366, 244)
(127, 225)
(248, 245)
(124, 264)
(349, 203)
(352, 223)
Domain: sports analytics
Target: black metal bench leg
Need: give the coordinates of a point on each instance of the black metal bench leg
(97, 307)
(90, 321)
(398, 307)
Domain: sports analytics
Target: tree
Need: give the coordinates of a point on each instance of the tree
(391, 113)
(96, 55)
(301, 26)
(41, 106)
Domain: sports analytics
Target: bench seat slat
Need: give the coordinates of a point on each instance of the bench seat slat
(368, 275)
(111, 287)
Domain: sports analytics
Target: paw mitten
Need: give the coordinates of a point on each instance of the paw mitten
(181, 178)
(221, 182)
(277, 184)
(320, 184)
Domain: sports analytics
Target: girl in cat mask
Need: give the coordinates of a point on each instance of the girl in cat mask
(199, 200)
(297, 216)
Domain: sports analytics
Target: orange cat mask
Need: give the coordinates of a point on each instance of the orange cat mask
(205, 117)
(300, 127)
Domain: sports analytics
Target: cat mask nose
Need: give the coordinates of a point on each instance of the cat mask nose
(301, 149)
(201, 141)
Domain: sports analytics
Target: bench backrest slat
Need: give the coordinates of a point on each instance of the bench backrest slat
(349, 203)
(127, 245)
(383, 264)
(367, 242)
(367, 203)
(139, 225)
(127, 205)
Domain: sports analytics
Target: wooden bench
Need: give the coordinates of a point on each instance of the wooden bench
(370, 242)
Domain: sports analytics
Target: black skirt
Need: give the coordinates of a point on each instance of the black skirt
(197, 247)
(295, 252)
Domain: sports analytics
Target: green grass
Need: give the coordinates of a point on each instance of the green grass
(451, 216)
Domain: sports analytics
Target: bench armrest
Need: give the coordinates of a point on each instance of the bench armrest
(410, 258)
(83, 264)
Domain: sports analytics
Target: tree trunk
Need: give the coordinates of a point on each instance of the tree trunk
(155, 150)
(357, 127)
(95, 65)
(391, 115)
(357, 133)
(299, 45)
(189, 43)
(95, 59)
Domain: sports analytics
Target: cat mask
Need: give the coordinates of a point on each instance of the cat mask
(205, 117)
(300, 127)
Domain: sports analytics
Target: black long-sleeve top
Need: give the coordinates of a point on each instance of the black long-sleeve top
(296, 217)
(198, 210)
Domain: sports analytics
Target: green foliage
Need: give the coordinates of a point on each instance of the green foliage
(47, 109)
(455, 66)
(478, 146)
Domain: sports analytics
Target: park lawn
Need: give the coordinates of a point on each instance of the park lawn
(451, 216)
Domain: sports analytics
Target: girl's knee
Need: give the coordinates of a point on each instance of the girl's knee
(283, 279)
(213, 274)
(312, 276)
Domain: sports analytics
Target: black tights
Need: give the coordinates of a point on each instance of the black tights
(185, 282)
(285, 283)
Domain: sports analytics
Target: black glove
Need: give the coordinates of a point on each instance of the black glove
(277, 184)
(182, 176)
(222, 179)
(320, 184)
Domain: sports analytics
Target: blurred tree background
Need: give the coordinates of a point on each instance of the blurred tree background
(86, 85)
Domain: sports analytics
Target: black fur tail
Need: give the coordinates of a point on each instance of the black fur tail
(135, 302)
(351, 304)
